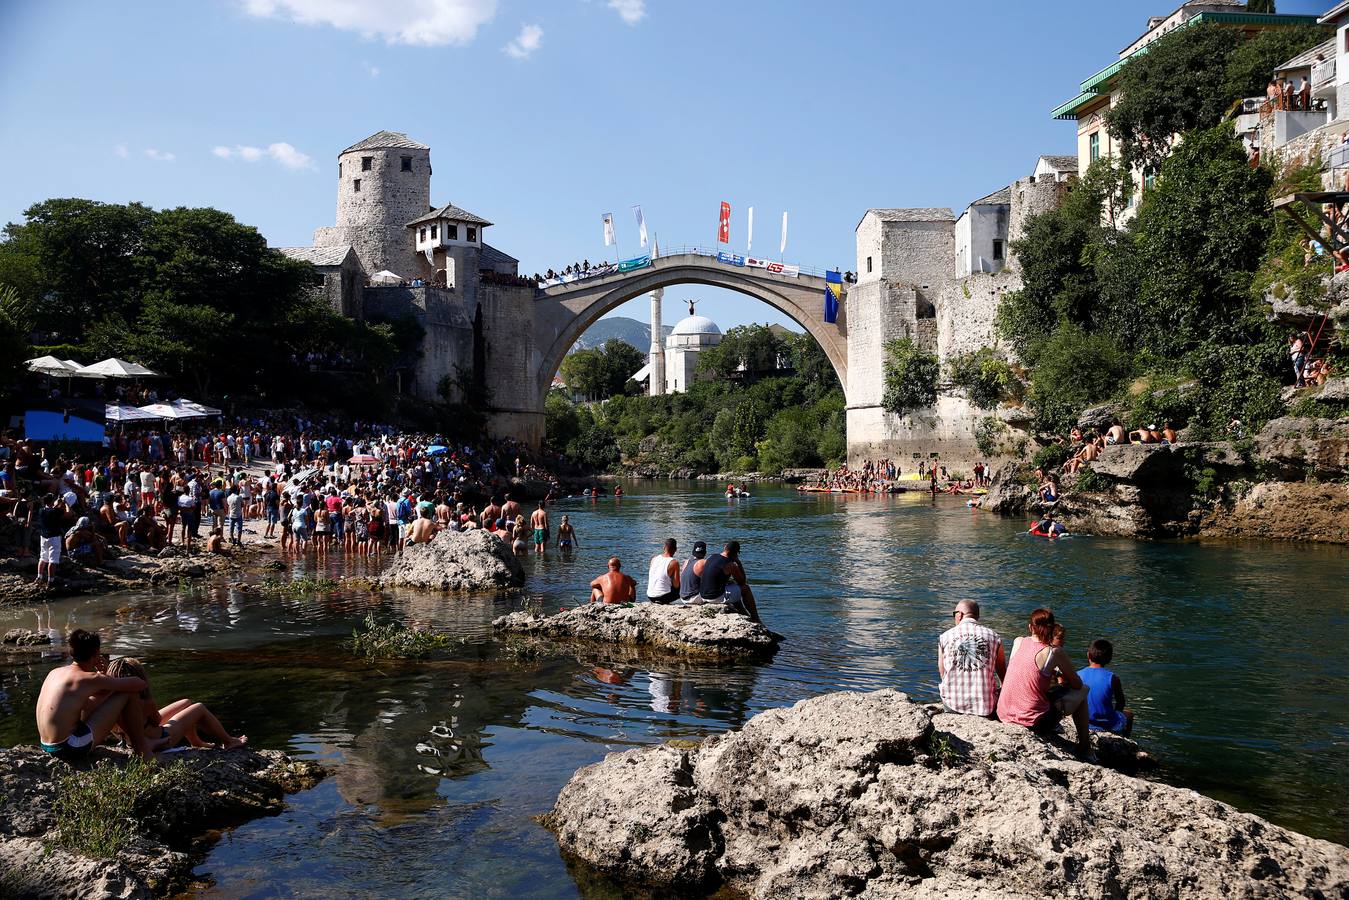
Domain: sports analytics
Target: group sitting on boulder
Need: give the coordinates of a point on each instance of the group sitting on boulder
(700, 580)
(1037, 686)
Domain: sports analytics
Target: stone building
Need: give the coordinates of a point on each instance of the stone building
(981, 234)
(338, 276)
(683, 348)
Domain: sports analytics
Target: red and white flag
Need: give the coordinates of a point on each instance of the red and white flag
(724, 227)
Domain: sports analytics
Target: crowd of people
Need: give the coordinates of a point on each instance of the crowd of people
(882, 476)
(1036, 686)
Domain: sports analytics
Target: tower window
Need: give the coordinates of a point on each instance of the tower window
(472, 234)
(434, 229)
(997, 251)
(421, 235)
(868, 263)
(407, 164)
(452, 231)
(356, 185)
(367, 162)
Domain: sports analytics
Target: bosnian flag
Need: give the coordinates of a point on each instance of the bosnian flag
(833, 292)
(608, 229)
(724, 226)
(641, 224)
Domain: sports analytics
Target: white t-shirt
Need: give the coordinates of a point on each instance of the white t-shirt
(147, 481)
(234, 506)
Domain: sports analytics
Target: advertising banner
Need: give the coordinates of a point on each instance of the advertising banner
(637, 262)
(731, 258)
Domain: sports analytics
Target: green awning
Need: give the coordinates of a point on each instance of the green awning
(1069, 109)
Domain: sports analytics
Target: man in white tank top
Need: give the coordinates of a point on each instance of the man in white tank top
(662, 581)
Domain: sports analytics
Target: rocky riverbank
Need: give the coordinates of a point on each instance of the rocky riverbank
(455, 561)
(874, 795)
(122, 569)
(171, 821)
(1287, 482)
(706, 632)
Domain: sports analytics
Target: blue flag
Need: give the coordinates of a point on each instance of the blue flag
(833, 293)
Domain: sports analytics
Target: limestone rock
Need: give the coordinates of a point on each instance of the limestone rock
(872, 795)
(1335, 389)
(456, 561)
(1007, 494)
(1283, 510)
(1097, 417)
(24, 637)
(708, 631)
(1297, 447)
(225, 788)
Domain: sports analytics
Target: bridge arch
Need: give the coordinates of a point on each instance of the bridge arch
(564, 312)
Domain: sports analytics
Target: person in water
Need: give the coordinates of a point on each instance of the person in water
(1047, 527)
(662, 580)
(689, 583)
(566, 535)
(181, 721)
(538, 520)
(1105, 695)
(613, 586)
(79, 704)
(722, 579)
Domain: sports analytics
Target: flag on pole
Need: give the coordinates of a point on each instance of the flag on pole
(749, 231)
(641, 225)
(833, 293)
(783, 248)
(724, 226)
(609, 239)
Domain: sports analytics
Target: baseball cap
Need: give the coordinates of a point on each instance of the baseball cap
(699, 548)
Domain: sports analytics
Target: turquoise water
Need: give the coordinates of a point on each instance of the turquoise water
(1231, 654)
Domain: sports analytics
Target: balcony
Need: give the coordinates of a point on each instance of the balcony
(1323, 73)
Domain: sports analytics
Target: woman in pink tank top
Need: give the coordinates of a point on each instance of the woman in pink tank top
(1026, 697)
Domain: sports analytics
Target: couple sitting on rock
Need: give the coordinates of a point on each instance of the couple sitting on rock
(1039, 685)
(84, 702)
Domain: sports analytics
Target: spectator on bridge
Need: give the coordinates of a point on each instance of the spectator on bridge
(970, 662)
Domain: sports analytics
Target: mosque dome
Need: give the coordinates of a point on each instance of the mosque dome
(696, 325)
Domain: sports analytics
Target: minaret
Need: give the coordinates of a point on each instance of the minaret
(657, 345)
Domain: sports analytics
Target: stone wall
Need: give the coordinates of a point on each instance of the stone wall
(967, 309)
(1031, 197)
(513, 362)
(1314, 145)
(946, 429)
(878, 311)
(447, 344)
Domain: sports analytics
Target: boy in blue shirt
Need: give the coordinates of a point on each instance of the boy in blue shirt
(1105, 694)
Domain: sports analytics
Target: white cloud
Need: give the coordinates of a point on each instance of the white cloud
(425, 23)
(120, 150)
(282, 153)
(372, 71)
(631, 11)
(160, 155)
(523, 45)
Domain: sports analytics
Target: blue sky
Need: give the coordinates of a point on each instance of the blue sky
(544, 114)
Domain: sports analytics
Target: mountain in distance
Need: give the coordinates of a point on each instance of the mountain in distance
(636, 333)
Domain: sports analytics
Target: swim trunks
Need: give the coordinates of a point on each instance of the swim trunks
(540, 535)
(76, 746)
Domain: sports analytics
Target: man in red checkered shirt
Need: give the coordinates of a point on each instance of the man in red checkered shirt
(970, 661)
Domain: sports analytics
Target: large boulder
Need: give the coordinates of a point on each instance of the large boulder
(1008, 494)
(875, 796)
(221, 789)
(1295, 447)
(456, 561)
(710, 631)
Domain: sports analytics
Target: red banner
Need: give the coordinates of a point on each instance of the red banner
(724, 228)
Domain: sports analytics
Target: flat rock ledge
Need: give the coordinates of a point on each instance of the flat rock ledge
(227, 788)
(456, 561)
(876, 796)
(708, 631)
(123, 569)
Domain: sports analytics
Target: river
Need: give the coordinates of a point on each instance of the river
(1233, 656)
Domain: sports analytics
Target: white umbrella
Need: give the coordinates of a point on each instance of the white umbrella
(50, 365)
(113, 367)
(384, 276)
(200, 409)
(168, 411)
(114, 412)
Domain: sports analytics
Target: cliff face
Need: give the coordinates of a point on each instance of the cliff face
(875, 796)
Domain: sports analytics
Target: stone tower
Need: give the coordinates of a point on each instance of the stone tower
(383, 183)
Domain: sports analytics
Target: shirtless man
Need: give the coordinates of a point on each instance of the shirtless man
(1115, 434)
(79, 705)
(539, 522)
(491, 514)
(422, 530)
(613, 586)
(511, 510)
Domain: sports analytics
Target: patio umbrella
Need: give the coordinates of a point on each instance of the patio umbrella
(79, 371)
(201, 409)
(113, 367)
(114, 412)
(435, 450)
(50, 365)
(363, 459)
(169, 411)
(384, 276)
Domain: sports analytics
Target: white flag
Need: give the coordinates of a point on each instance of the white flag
(641, 225)
(783, 249)
(608, 229)
(749, 232)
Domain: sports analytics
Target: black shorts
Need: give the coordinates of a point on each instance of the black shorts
(668, 597)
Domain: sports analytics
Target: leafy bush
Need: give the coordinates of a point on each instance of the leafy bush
(988, 435)
(910, 377)
(1075, 370)
(100, 810)
(396, 641)
(986, 377)
(1050, 457)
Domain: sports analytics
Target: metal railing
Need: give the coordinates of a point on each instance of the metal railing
(1323, 72)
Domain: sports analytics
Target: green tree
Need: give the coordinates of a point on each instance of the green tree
(750, 352)
(910, 377)
(17, 317)
(985, 376)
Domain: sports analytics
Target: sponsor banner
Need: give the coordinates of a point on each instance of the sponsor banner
(637, 262)
(755, 262)
(731, 258)
(724, 224)
(776, 268)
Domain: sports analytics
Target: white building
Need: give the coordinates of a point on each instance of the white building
(981, 234)
(689, 338)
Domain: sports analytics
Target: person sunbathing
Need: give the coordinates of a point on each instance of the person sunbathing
(182, 721)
